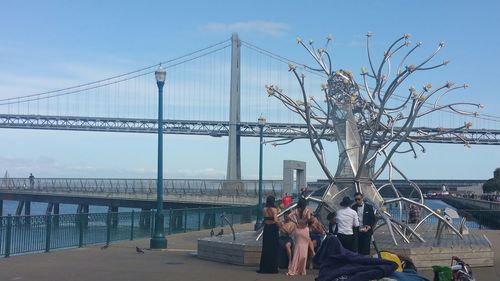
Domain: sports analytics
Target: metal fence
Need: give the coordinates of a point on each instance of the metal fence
(96, 186)
(43, 233)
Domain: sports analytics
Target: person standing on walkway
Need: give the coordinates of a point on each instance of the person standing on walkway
(285, 240)
(303, 192)
(332, 223)
(301, 215)
(414, 215)
(270, 243)
(367, 221)
(32, 181)
(287, 199)
(347, 224)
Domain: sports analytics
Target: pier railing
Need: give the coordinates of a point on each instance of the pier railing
(112, 186)
(474, 218)
(470, 203)
(44, 233)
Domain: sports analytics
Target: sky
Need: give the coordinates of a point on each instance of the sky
(47, 45)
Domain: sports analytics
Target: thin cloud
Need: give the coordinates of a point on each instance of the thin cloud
(274, 29)
(207, 173)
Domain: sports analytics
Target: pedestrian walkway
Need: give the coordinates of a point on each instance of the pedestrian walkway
(121, 262)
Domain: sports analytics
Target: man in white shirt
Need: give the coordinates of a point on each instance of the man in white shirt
(347, 223)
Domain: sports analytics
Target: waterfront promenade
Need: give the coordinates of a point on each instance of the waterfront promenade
(121, 262)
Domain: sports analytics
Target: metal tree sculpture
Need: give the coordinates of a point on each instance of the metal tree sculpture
(365, 125)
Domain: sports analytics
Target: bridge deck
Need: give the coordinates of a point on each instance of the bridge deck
(219, 128)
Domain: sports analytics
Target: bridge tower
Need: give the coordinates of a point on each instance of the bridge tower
(234, 148)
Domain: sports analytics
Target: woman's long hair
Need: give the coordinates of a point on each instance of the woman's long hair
(301, 205)
(270, 201)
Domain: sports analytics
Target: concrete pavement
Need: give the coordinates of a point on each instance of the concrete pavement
(121, 262)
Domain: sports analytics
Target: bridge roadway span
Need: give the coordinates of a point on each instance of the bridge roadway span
(133, 193)
(220, 128)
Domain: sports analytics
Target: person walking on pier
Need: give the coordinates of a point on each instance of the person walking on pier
(367, 221)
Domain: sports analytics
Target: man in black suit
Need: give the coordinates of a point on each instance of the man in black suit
(332, 223)
(367, 222)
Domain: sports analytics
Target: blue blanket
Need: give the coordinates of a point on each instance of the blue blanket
(408, 275)
(335, 261)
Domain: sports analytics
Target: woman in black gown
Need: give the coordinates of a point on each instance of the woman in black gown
(270, 245)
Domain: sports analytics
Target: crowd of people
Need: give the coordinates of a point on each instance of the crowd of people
(292, 242)
(484, 197)
(490, 197)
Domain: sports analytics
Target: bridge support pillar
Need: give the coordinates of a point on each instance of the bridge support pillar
(1, 208)
(55, 221)
(19, 211)
(233, 160)
(50, 206)
(145, 218)
(208, 220)
(20, 207)
(114, 216)
(27, 212)
(246, 216)
(176, 220)
(27, 208)
(83, 209)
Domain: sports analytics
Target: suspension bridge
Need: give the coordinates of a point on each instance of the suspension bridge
(215, 91)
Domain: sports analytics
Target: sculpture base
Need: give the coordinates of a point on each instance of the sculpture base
(243, 251)
(474, 249)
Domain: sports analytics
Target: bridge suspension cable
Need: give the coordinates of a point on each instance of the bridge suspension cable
(479, 116)
(197, 89)
(124, 77)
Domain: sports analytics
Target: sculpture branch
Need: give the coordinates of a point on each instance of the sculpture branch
(370, 123)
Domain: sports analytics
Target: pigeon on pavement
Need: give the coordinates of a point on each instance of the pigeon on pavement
(139, 250)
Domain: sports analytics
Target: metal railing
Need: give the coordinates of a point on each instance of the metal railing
(474, 218)
(469, 203)
(43, 233)
(133, 187)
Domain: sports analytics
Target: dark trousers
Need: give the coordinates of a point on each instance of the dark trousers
(364, 241)
(347, 241)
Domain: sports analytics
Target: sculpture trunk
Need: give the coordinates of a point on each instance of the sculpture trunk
(351, 147)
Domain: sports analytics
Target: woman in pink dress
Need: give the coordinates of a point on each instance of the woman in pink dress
(301, 216)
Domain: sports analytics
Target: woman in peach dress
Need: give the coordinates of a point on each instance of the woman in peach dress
(301, 216)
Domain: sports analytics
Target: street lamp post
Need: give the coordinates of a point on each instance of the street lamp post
(261, 124)
(159, 241)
